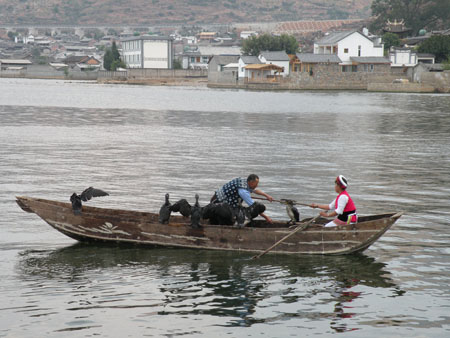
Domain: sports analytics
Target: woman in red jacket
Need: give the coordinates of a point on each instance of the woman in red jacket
(342, 207)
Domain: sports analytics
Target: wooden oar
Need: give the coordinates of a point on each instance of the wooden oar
(300, 227)
(281, 201)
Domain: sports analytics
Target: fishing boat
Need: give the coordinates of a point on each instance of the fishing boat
(142, 228)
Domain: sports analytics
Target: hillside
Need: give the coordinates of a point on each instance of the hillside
(175, 12)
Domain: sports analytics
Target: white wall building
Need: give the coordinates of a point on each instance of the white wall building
(278, 58)
(148, 52)
(350, 44)
(199, 59)
(244, 61)
(406, 57)
(27, 39)
(402, 57)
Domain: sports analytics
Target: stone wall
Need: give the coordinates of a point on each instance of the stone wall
(104, 75)
(48, 72)
(225, 77)
(324, 79)
(439, 80)
(138, 73)
(218, 74)
(186, 77)
(400, 87)
(324, 76)
(377, 68)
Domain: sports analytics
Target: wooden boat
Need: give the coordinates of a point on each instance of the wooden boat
(142, 228)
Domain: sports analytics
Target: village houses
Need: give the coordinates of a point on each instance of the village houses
(343, 59)
(338, 52)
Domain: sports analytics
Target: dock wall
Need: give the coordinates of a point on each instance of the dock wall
(439, 80)
(155, 76)
(48, 72)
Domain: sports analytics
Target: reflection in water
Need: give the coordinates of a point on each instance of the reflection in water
(207, 283)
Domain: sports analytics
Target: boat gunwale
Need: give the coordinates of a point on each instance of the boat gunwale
(98, 212)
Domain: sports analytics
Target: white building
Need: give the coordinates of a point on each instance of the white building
(190, 40)
(278, 58)
(199, 58)
(148, 52)
(27, 39)
(244, 61)
(246, 34)
(402, 57)
(350, 44)
(406, 57)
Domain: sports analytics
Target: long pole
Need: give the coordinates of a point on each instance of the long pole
(281, 201)
(300, 227)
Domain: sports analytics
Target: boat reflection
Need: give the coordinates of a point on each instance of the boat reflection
(223, 284)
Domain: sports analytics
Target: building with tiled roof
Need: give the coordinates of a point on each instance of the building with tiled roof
(278, 58)
(245, 60)
(349, 44)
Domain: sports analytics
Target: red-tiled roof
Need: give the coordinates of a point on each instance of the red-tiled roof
(311, 26)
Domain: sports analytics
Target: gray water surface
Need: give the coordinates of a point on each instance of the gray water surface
(139, 142)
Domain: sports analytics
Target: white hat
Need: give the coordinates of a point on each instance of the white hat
(342, 181)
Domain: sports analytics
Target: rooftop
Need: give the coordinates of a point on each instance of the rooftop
(275, 55)
(249, 59)
(318, 58)
(333, 38)
(147, 37)
(264, 66)
(16, 61)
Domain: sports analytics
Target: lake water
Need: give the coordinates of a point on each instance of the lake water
(139, 142)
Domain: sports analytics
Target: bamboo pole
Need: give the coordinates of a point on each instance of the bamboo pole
(300, 227)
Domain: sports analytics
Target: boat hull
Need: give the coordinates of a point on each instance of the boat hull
(142, 228)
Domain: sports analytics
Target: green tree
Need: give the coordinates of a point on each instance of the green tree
(418, 14)
(112, 31)
(117, 64)
(177, 64)
(255, 44)
(108, 59)
(115, 51)
(446, 64)
(390, 40)
(11, 35)
(112, 60)
(439, 45)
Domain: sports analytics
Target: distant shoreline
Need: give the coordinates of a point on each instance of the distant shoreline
(202, 82)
